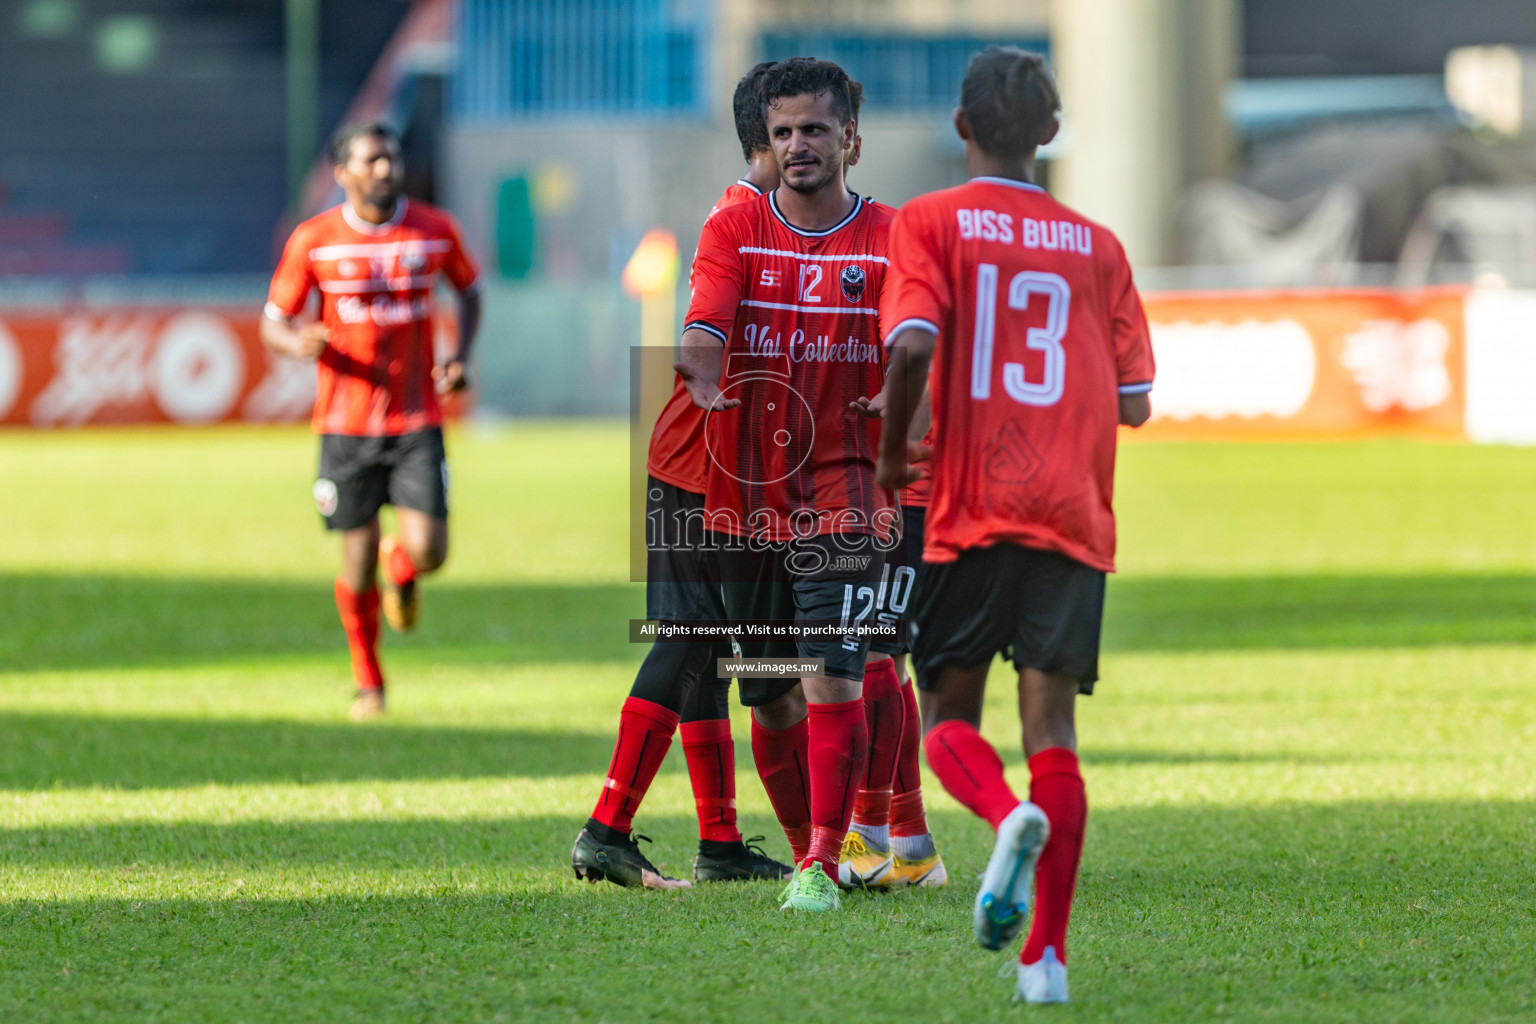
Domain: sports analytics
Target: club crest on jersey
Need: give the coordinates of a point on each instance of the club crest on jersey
(853, 282)
(411, 262)
(325, 497)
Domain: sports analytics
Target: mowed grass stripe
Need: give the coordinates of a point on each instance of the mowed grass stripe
(1307, 762)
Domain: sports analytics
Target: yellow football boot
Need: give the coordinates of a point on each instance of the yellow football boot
(861, 866)
(366, 705)
(400, 602)
(928, 872)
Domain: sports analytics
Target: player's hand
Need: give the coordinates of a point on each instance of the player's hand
(704, 392)
(312, 340)
(449, 377)
(892, 475)
(874, 408)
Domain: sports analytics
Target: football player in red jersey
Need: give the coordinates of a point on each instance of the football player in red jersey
(374, 260)
(781, 340)
(1038, 347)
(677, 689)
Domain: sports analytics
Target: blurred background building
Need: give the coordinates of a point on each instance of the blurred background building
(160, 150)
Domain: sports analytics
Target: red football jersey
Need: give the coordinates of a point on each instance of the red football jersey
(799, 314)
(738, 192)
(1039, 331)
(375, 282)
(677, 442)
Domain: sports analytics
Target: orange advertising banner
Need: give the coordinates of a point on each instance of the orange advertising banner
(1313, 363)
(191, 365)
(1308, 363)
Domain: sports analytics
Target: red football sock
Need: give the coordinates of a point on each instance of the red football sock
(360, 620)
(872, 807)
(907, 815)
(970, 770)
(400, 568)
(645, 733)
(839, 749)
(883, 714)
(1056, 787)
(783, 763)
(712, 770)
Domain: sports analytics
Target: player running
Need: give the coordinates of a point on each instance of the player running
(374, 260)
(1038, 348)
(676, 689)
(785, 306)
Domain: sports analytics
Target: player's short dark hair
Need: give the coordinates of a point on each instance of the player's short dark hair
(342, 139)
(1010, 100)
(855, 97)
(751, 126)
(801, 76)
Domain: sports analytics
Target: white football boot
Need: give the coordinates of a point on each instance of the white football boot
(1002, 904)
(1044, 981)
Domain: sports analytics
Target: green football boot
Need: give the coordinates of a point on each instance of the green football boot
(812, 890)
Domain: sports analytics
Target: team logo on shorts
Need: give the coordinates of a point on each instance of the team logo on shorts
(853, 282)
(325, 497)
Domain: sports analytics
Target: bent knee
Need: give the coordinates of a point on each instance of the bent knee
(430, 555)
(783, 712)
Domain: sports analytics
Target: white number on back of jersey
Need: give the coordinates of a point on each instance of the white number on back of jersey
(1046, 339)
(810, 280)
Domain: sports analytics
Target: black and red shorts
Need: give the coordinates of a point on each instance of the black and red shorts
(681, 584)
(1039, 609)
(826, 582)
(360, 475)
(903, 564)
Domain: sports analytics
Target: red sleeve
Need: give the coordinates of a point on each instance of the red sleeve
(734, 195)
(1128, 327)
(917, 291)
(294, 279)
(718, 281)
(460, 267)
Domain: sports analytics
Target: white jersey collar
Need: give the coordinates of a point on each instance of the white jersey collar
(858, 205)
(992, 179)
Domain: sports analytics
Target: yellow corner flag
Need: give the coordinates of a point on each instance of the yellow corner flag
(653, 267)
(651, 276)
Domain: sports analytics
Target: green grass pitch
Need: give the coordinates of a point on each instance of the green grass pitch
(1310, 765)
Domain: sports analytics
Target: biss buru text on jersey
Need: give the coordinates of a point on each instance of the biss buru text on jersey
(1054, 235)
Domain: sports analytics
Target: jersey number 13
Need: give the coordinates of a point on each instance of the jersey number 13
(1046, 339)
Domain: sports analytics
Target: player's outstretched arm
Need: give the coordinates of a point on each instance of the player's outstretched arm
(451, 375)
(911, 352)
(700, 359)
(1135, 409)
(922, 419)
(279, 335)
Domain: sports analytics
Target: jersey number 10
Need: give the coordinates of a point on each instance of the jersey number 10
(1046, 339)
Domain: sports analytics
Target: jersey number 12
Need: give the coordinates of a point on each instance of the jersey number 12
(1046, 339)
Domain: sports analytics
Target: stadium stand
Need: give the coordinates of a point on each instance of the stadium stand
(177, 166)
